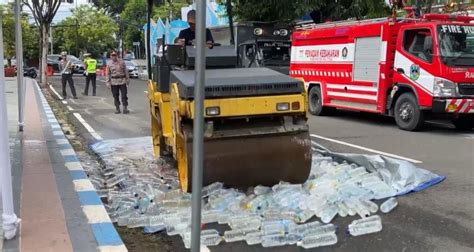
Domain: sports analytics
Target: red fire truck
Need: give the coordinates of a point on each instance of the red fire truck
(408, 68)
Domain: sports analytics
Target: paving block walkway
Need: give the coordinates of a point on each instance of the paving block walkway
(59, 207)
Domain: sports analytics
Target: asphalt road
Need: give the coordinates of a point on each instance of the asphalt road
(438, 219)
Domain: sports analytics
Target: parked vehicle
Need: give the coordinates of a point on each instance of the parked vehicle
(408, 68)
(79, 66)
(132, 69)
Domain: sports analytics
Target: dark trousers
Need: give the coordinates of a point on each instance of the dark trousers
(67, 78)
(90, 77)
(116, 91)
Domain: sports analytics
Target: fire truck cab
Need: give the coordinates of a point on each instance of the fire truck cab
(410, 69)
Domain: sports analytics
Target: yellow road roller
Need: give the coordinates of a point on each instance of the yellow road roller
(256, 128)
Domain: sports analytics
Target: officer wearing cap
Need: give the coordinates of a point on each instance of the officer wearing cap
(66, 69)
(118, 81)
(91, 75)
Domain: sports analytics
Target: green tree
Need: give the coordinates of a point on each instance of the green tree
(88, 27)
(29, 33)
(112, 7)
(133, 18)
(286, 10)
(43, 12)
(163, 11)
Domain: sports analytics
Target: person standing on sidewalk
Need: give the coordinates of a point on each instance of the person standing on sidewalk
(66, 69)
(118, 81)
(91, 74)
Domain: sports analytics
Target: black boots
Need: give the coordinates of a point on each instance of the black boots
(125, 110)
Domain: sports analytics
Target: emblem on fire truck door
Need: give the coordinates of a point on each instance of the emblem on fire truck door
(414, 72)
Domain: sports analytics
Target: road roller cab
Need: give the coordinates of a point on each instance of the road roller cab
(255, 120)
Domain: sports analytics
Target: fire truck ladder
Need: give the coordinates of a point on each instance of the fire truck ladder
(306, 25)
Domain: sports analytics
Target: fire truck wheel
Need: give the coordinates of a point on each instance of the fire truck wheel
(464, 123)
(408, 114)
(315, 102)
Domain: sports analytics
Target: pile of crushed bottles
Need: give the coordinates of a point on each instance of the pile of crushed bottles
(141, 192)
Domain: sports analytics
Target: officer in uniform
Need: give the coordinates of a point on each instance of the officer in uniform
(91, 75)
(66, 69)
(118, 81)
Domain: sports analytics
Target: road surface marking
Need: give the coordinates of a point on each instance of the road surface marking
(73, 101)
(367, 149)
(87, 126)
(469, 136)
(70, 108)
(55, 92)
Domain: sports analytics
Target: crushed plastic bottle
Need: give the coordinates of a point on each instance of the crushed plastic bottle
(388, 205)
(314, 241)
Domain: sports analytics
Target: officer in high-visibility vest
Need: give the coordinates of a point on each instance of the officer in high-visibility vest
(91, 73)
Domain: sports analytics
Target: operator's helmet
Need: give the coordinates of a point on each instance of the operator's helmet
(64, 53)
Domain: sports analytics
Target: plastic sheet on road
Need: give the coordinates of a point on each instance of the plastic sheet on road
(140, 191)
(401, 175)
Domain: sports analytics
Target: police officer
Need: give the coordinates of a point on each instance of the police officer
(66, 69)
(91, 75)
(118, 81)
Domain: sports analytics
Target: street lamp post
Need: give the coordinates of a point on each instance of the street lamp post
(198, 127)
(9, 218)
(19, 64)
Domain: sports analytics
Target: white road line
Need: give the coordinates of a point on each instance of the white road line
(70, 108)
(367, 149)
(87, 126)
(55, 92)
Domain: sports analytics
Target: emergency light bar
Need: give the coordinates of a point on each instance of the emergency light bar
(445, 17)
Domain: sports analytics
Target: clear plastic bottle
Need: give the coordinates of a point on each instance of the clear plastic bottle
(303, 216)
(210, 237)
(211, 189)
(314, 241)
(373, 208)
(303, 228)
(329, 213)
(260, 190)
(368, 219)
(139, 221)
(234, 235)
(273, 228)
(253, 238)
(320, 230)
(210, 216)
(388, 205)
(365, 227)
(273, 240)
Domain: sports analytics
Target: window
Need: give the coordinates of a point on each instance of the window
(456, 44)
(419, 43)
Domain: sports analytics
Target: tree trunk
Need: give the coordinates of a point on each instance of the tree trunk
(44, 54)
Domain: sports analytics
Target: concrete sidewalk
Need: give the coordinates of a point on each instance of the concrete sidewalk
(58, 205)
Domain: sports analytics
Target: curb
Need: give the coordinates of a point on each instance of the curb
(105, 234)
